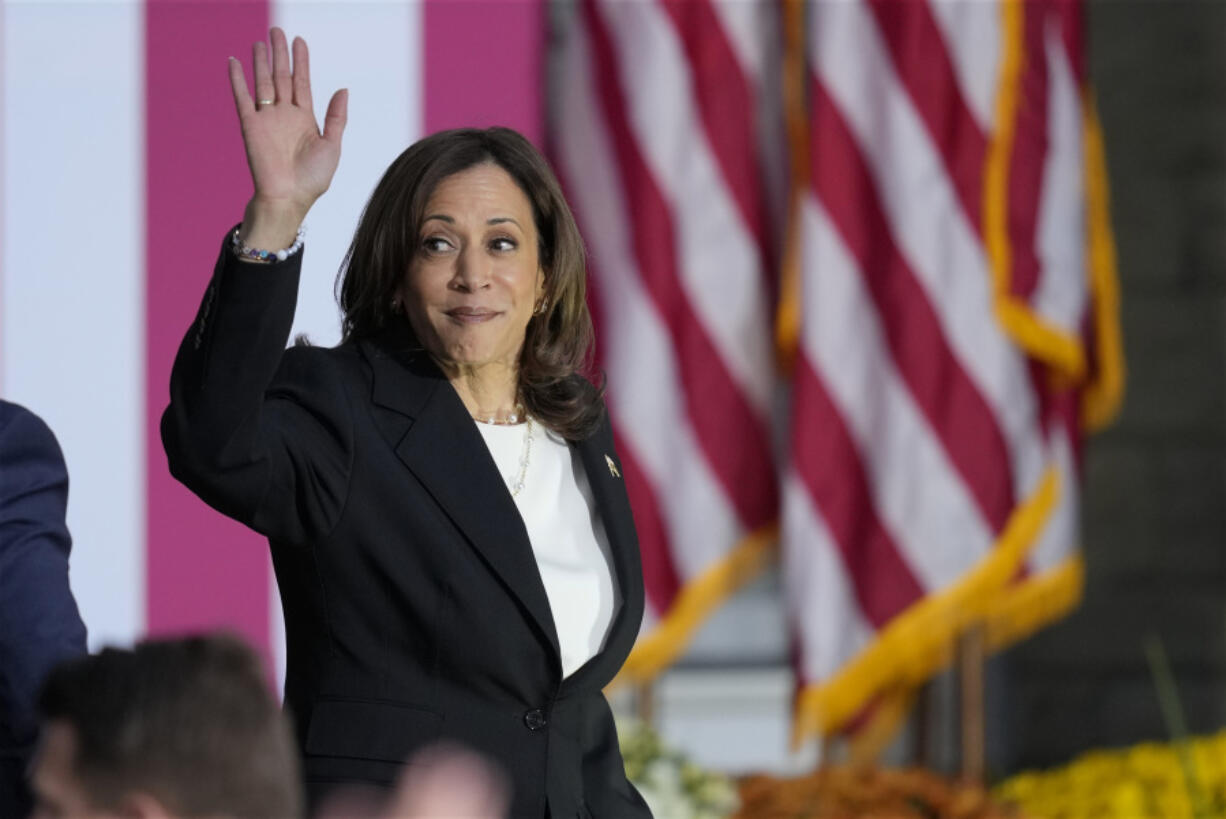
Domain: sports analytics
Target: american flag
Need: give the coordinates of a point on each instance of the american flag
(945, 315)
(957, 334)
(663, 133)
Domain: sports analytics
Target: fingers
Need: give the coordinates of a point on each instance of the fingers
(281, 78)
(336, 116)
(238, 84)
(302, 74)
(282, 84)
(263, 78)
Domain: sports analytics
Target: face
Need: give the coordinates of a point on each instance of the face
(476, 278)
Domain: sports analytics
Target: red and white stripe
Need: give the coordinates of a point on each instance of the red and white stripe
(657, 137)
(920, 424)
(122, 166)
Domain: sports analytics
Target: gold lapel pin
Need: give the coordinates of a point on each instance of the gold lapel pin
(612, 467)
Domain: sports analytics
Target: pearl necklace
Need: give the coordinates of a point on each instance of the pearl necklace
(525, 454)
(510, 419)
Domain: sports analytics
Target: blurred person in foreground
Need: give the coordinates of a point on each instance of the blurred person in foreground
(441, 782)
(452, 540)
(39, 621)
(171, 728)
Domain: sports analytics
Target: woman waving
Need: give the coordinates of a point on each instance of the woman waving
(452, 540)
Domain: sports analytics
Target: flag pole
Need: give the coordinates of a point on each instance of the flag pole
(645, 702)
(796, 111)
(921, 740)
(972, 653)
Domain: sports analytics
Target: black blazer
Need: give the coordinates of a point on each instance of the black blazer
(414, 609)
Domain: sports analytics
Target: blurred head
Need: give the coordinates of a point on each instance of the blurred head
(440, 781)
(468, 244)
(171, 728)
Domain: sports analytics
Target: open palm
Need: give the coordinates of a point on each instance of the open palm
(291, 160)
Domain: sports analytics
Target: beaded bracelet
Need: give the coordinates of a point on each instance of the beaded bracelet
(267, 256)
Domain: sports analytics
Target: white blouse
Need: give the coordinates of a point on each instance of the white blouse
(567, 535)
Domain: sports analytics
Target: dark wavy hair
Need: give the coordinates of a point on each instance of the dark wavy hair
(558, 346)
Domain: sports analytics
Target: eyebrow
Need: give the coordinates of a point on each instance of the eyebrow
(497, 220)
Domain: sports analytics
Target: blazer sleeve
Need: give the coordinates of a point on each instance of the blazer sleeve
(260, 433)
(39, 622)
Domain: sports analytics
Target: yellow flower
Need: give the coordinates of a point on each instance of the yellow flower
(1146, 780)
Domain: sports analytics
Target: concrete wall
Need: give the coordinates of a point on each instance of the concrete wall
(1155, 488)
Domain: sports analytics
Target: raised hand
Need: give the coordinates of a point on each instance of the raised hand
(291, 161)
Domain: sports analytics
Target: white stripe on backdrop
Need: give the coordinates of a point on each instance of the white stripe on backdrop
(377, 55)
(72, 308)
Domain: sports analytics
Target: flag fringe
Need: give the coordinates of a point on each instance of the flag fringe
(920, 641)
(1103, 395)
(695, 602)
(890, 710)
(1040, 599)
(1063, 351)
(1021, 610)
(1060, 349)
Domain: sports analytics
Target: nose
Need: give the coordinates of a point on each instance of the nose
(472, 271)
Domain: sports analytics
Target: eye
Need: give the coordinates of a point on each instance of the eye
(435, 244)
(503, 244)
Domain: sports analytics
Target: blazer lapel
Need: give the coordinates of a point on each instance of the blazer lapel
(435, 438)
(603, 472)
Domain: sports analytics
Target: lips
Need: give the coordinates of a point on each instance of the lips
(472, 315)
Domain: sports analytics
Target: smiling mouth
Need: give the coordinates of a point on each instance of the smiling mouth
(471, 315)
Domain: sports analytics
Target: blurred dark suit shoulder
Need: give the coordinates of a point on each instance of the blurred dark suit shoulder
(39, 622)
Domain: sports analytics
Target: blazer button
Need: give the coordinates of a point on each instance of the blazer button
(535, 719)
